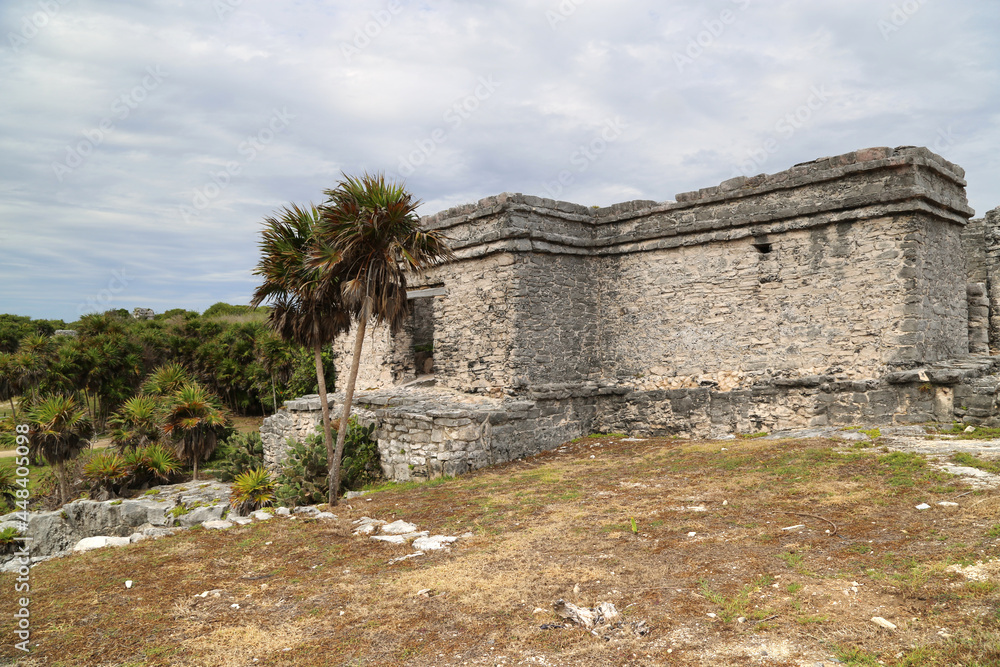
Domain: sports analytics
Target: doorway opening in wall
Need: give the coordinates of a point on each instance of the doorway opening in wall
(422, 328)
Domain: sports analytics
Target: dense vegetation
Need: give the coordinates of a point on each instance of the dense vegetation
(228, 350)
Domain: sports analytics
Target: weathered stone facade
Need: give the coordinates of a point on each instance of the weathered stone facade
(771, 302)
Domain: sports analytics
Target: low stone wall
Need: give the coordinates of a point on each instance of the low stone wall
(428, 432)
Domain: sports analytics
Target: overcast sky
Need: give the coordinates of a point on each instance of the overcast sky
(143, 141)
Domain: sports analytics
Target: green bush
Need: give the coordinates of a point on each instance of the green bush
(239, 453)
(7, 537)
(108, 474)
(361, 464)
(152, 465)
(8, 488)
(252, 490)
(303, 479)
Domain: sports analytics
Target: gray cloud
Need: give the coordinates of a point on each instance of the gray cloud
(162, 115)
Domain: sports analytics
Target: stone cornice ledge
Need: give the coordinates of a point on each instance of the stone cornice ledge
(704, 213)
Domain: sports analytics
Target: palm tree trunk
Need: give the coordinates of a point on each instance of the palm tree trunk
(62, 482)
(196, 457)
(359, 340)
(274, 395)
(13, 410)
(323, 402)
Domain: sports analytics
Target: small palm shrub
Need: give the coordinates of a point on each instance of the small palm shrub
(239, 453)
(8, 488)
(136, 424)
(252, 490)
(107, 473)
(7, 537)
(152, 465)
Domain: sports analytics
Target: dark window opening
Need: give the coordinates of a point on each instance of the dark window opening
(763, 248)
(422, 321)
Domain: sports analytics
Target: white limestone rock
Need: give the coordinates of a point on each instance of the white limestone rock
(399, 527)
(433, 542)
(99, 542)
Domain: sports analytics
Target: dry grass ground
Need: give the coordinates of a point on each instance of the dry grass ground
(744, 589)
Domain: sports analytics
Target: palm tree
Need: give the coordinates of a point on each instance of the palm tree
(369, 238)
(9, 380)
(136, 424)
(166, 380)
(195, 418)
(305, 308)
(58, 432)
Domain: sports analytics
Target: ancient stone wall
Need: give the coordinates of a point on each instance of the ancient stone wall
(852, 263)
(841, 290)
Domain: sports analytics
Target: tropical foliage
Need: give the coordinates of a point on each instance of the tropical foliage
(368, 239)
(252, 490)
(306, 303)
(241, 452)
(194, 418)
(58, 431)
(110, 474)
(304, 478)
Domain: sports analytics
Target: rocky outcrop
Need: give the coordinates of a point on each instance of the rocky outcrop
(59, 531)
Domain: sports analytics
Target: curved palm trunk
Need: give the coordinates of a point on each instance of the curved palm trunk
(323, 402)
(359, 339)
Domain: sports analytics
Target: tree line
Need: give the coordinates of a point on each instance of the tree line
(228, 349)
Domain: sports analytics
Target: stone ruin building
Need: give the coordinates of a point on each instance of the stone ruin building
(851, 289)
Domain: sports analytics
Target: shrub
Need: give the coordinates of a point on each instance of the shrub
(108, 474)
(304, 477)
(361, 464)
(153, 464)
(7, 537)
(240, 452)
(8, 487)
(252, 490)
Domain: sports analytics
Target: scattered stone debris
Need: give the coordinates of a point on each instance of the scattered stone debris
(878, 620)
(603, 621)
(402, 532)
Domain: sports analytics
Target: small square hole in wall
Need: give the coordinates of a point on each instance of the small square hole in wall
(763, 248)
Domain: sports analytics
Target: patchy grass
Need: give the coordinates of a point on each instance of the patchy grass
(966, 459)
(612, 528)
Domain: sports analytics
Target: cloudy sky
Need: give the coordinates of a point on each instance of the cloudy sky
(143, 141)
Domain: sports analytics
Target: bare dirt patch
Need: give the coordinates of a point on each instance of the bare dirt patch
(745, 552)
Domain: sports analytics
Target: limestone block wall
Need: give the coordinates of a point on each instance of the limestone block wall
(726, 311)
(847, 264)
(991, 236)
